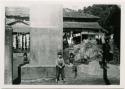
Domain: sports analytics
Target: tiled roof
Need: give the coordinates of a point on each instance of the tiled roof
(75, 14)
(12, 21)
(93, 25)
(17, 11)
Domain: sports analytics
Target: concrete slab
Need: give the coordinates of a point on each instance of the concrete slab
(34, 72)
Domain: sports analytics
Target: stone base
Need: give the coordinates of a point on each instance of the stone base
(33, 72)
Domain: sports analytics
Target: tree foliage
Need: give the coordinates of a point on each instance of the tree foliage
(110, 17)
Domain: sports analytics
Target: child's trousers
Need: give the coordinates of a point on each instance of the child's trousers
(60, 71)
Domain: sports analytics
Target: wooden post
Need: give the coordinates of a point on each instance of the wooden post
(81, 36)
(22, 40)
(71, 38)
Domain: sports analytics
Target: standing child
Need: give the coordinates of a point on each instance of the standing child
(60, 67)
(25, 61)
(71, 58)
(73, 63)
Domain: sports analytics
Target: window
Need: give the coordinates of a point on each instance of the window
(21, 42)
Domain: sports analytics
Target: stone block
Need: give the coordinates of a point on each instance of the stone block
(30, 72)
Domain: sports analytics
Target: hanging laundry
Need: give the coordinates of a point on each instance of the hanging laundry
(28, 40)
(14, 41)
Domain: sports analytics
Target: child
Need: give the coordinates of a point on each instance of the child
(60, 67)
(71, 59)
(25, 61)
(72, 62)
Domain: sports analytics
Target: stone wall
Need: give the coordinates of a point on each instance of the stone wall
(8, 56)
(44, 45)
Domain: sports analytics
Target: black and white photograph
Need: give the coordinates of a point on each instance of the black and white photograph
(62, 44)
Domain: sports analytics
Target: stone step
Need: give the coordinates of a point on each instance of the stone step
(40, 72)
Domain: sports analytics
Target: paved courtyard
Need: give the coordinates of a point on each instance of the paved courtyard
(90, 74)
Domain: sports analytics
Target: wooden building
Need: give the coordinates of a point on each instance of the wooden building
(81, 25)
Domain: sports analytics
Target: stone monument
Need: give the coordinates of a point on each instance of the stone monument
(46, 22)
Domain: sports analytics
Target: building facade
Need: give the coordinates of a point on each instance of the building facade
(81, 26)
